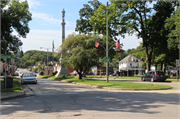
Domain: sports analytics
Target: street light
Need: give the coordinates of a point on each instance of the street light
(47, 54)
(107, 63)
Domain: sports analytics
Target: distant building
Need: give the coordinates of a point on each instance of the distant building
(130, 66)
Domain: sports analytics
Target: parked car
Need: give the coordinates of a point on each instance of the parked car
(154, 76)
(28, 77)
(172, 75)
(16, 74)
(74, 73)
(35, 74)
(41, 73)
(88, 73)
(102, 73)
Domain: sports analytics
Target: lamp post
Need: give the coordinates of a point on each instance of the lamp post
(47, 55)
(107, 63)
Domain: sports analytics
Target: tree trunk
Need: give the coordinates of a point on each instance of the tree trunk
(161, 65)
(164, 63)
(148, 59)
(80, 76)
(155, 66)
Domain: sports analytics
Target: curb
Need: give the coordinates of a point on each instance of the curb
(100, 87)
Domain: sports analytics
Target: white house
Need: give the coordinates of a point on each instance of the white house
(130, 65)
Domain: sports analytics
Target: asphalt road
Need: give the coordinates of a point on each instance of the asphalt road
(58, 100)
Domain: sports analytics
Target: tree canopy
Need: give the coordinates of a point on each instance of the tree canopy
(80, 52)
(15, 16)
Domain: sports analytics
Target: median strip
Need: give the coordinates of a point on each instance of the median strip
(112, 85)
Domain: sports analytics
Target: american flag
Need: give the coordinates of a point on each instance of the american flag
(52, 62)
(117, 44)
(97, 44)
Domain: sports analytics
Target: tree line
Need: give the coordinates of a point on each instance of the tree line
(158, 30)
(34, 57)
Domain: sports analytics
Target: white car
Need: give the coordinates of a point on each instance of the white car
(28, 77)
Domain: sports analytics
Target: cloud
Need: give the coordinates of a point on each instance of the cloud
(33, 3)
(45, 18)
(43, 38)
(130, 42)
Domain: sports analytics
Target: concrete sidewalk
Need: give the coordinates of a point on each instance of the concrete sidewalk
(11, 95)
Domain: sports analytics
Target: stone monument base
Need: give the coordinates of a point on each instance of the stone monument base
(62, 71)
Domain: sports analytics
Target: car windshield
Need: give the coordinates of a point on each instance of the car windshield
(28, 75)
(160, 72)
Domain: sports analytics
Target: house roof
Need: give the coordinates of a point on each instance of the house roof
(129, 59)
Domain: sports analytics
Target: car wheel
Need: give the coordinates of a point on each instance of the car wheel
(152, 80)
(143, 79)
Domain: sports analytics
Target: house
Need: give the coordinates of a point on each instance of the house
(130, 66)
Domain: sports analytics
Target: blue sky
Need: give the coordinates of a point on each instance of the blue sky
(46, 24)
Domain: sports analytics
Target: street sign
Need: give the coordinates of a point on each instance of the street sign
(107, 59)
(7, 56)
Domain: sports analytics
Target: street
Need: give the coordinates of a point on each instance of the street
(58, 100)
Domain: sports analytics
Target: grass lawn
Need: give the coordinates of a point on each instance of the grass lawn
(16, 86)
(171, 79)
(111, 84)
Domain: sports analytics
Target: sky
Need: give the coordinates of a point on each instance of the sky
(45, 25)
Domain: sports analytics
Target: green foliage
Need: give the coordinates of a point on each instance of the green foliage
(172, 24)
(82, 24)
(79, 52)
(16, 86)
(35, 69)
(34, 57)
(54, 73)
(15, 17)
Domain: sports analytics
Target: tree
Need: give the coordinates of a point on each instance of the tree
(161, 53)
(79, 52)
(134, 18)
(15, 17)
(172, 24)
(82, 24)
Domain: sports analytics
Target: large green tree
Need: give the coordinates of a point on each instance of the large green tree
(172, 24)
(15, 16)
(82, 24)
(133, 18)
(79, 52)
(158, 39)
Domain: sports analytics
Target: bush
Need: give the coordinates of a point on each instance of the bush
(50, 74)
(54, 73)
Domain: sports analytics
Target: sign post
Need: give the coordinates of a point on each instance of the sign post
(6, 57)
(177, 68)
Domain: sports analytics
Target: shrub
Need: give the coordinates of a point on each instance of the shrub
(54, 73)
(50, 74)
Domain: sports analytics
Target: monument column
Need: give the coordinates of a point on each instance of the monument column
(61, 68)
